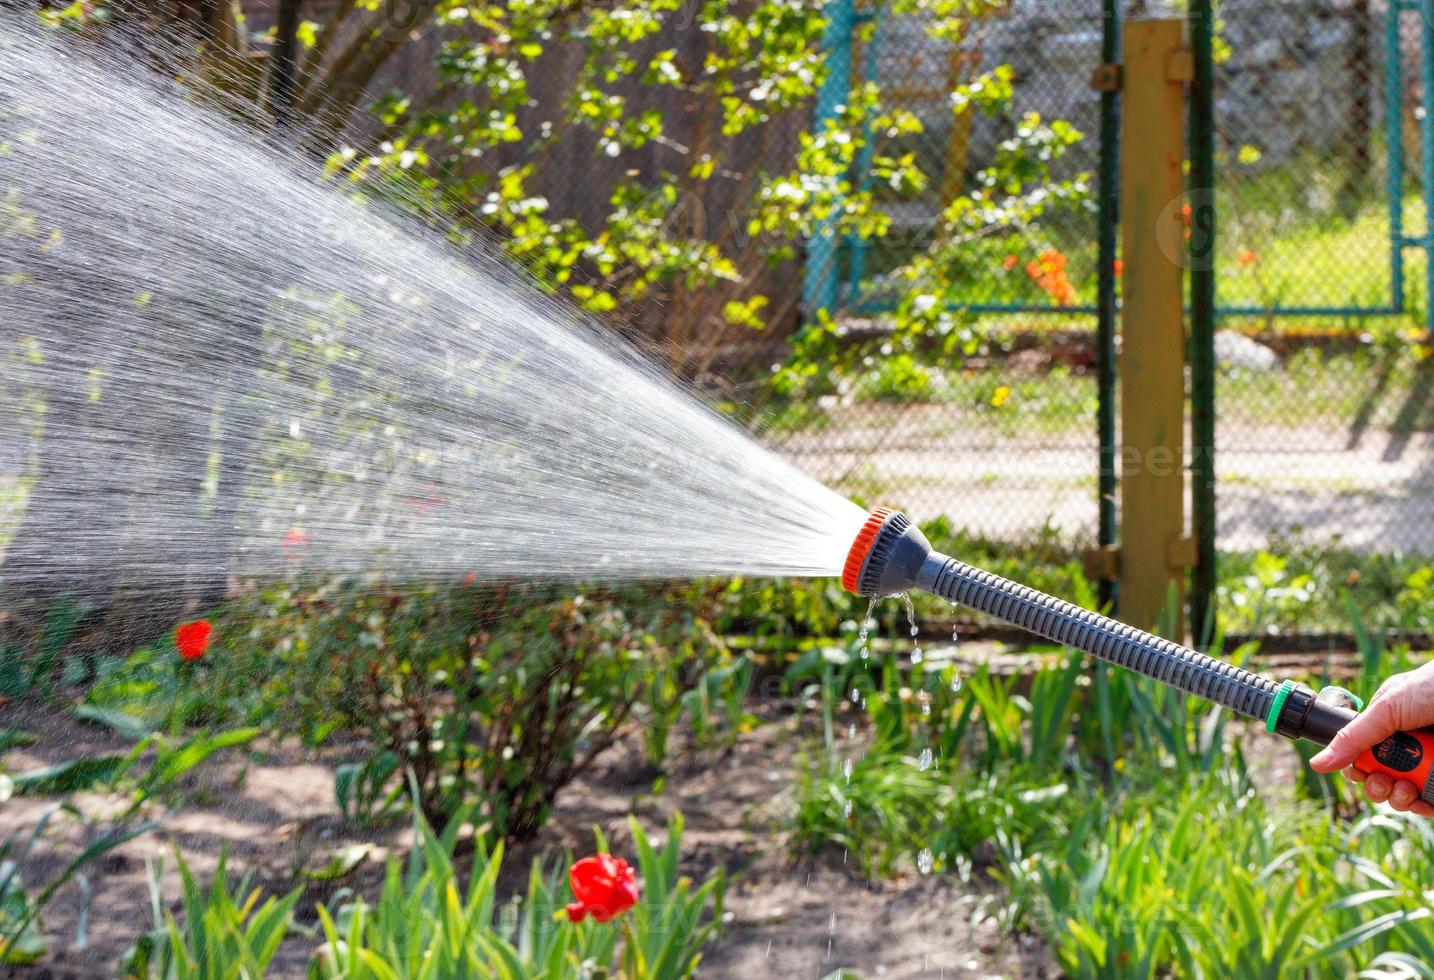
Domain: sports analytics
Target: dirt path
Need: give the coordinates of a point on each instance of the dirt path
(1370, 490)
(275, 813)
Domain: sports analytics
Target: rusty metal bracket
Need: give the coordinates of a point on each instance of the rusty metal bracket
(1106, 78)
(1180, 552)
(1102, 564)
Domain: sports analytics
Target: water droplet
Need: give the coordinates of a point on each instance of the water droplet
(926, 860)
(846, 809)
(867, 622)
(915, 630)
(846, 768)
(926, 759)
(851, 730)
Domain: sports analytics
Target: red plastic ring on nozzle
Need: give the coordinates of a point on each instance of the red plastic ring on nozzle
(851, 571)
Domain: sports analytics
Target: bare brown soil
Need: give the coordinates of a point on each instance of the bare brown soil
(273, 812)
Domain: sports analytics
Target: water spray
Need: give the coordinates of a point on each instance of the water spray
(891, 555)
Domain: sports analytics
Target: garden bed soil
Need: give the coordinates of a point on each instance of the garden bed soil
(273, 812)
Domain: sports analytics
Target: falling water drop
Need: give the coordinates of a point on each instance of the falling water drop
(862, 640)
(846, 768)
(926, 759)
(915, 630)
(926, 860)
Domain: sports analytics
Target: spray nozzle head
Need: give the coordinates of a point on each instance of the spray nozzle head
(886, 555)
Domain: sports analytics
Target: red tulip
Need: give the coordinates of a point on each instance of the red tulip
(604, 887)
(192, 639)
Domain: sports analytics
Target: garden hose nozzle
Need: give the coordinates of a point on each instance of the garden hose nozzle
(891, 555)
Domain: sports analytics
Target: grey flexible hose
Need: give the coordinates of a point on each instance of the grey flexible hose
(1146, 654)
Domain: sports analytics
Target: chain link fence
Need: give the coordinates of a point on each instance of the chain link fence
(1324, 421)
(1325, 396)
(1005, 446)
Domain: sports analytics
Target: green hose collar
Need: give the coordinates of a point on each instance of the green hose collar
(1278, 704)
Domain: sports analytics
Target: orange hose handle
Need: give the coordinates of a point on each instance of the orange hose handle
(1404, 755)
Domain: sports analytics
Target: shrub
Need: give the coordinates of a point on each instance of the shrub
(492, 694)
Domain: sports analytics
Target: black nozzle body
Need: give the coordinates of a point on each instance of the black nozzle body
(894, 558)
(897, 557)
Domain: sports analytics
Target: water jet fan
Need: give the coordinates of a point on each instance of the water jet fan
(891, 555)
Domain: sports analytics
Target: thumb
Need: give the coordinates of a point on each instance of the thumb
(1372, 726)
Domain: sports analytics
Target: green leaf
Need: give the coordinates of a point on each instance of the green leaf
(339, 863)
(79, 774)
(170, 765)
(26, 948)
(13, 737)
(125, 724)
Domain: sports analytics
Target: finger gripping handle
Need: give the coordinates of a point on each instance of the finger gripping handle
(1404, 755)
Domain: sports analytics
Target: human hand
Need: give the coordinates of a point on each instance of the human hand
(1403, 702)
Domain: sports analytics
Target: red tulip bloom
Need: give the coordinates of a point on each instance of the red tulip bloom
(192, 639)
(604, 887)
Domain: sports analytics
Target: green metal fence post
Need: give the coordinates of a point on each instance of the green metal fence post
(1202, 320)
(1394, 148)
(821, 278)
(855, 245)
(1106, 297)
(1426, 145)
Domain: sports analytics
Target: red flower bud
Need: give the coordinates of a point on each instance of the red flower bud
(604, 887)
(192, 639)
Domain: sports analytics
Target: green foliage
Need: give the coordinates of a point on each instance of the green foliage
(1206, 878)
(36, 662)
(726, 173)
(21, 939)
(168, 760)
(497, 695)
(425, 923)
(227, 934)
(368, 791)
(437, 917)
(1125, 823)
